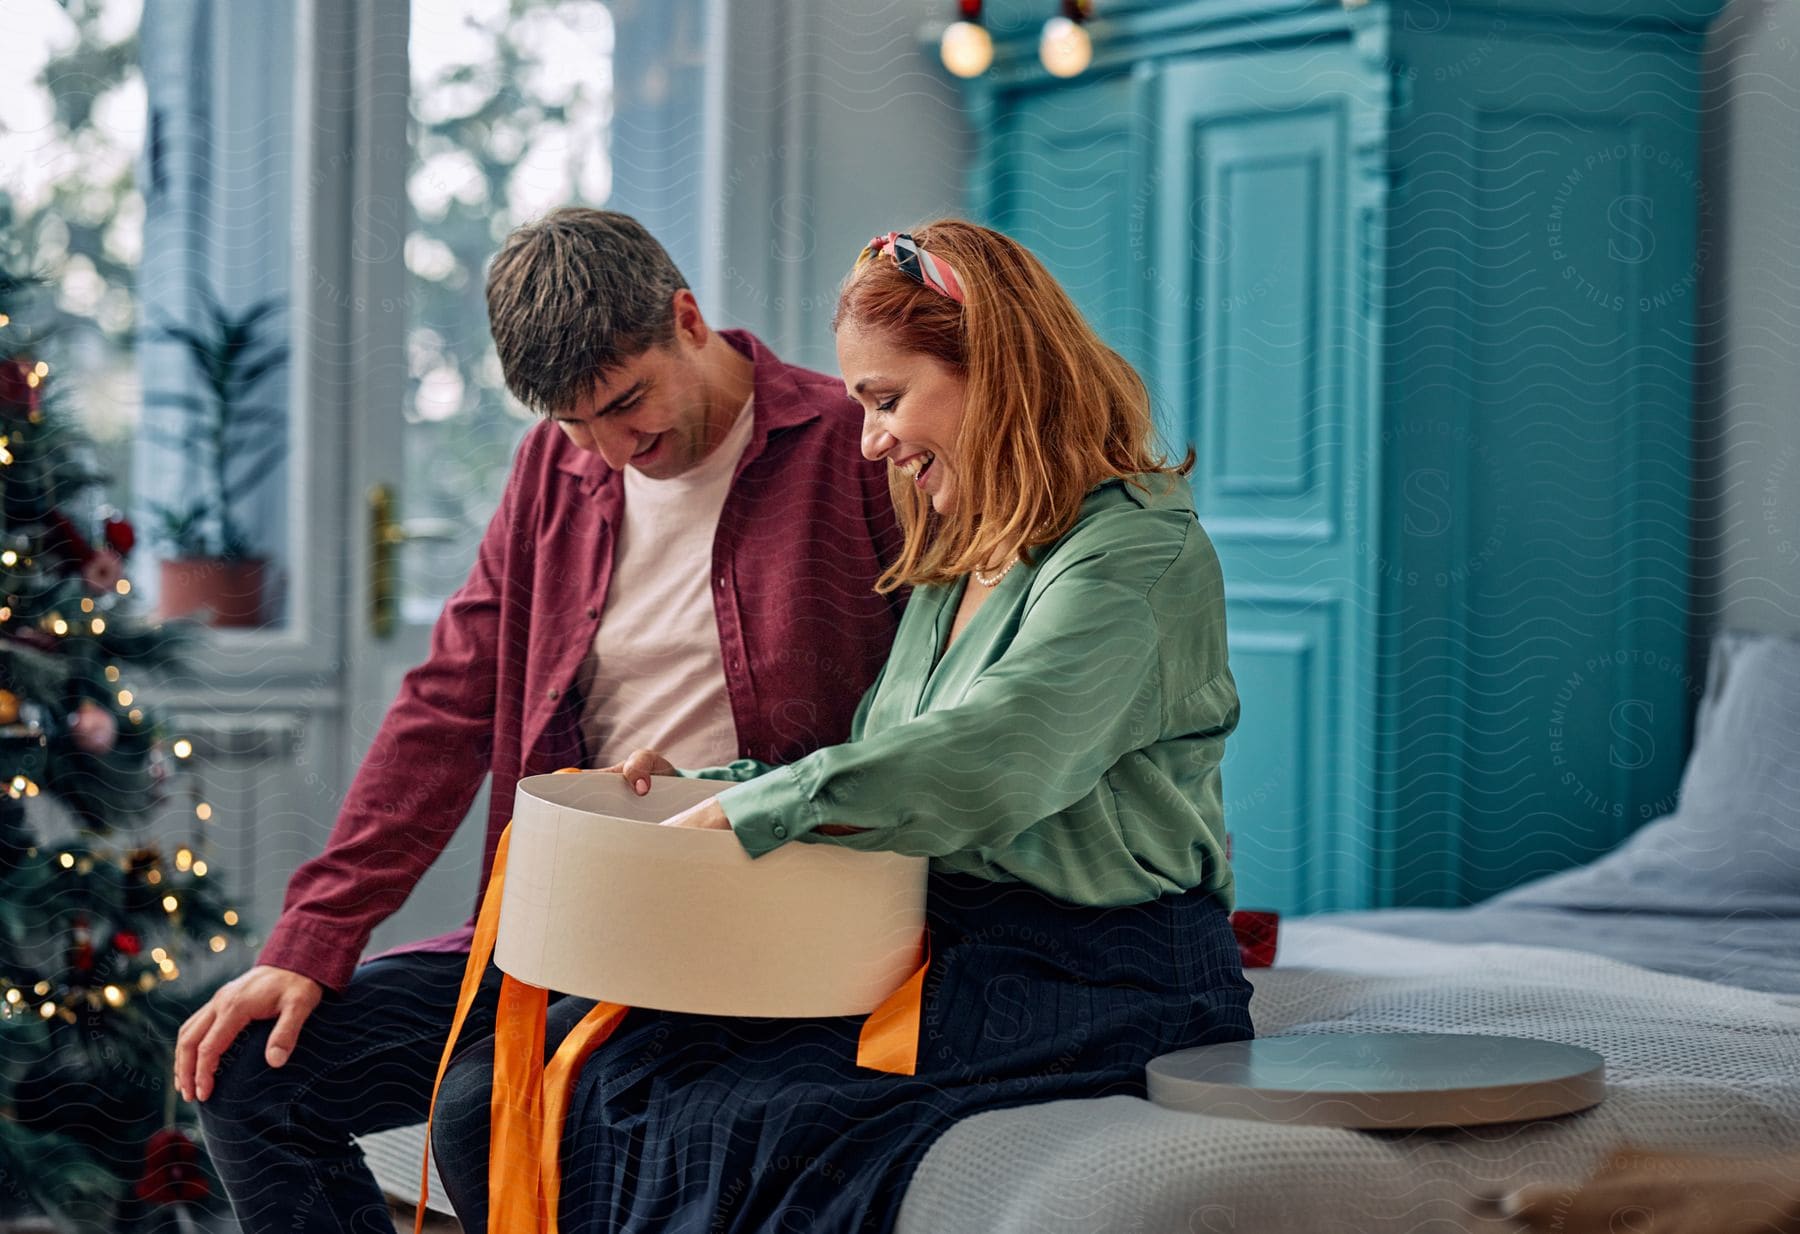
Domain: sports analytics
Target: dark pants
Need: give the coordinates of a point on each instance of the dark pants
(280, 1137)
(689, 1124)
(461, 1132)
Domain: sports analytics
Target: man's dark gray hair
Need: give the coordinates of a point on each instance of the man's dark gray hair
(574, 295)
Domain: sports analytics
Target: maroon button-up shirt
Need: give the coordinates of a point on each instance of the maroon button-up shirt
(806, 529)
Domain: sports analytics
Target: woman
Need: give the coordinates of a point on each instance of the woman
(1048, 729)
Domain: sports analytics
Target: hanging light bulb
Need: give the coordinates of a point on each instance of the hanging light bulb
(966, 47)
(1064, 46)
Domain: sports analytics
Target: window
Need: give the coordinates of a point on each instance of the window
(511, 112)
(72, 122)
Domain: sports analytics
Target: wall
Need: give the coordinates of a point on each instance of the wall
(1747, 430)
(837, 124)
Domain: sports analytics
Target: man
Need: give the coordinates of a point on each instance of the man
(684, 558)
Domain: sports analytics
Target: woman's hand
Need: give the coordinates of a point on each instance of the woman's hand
(639, 766)
(707, 816)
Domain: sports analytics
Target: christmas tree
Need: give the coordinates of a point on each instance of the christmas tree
(96, 922)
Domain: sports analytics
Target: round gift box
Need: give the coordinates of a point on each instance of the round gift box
(602, 902)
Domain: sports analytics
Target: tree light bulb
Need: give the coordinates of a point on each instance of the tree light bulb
(1065, 47)
(967, 48)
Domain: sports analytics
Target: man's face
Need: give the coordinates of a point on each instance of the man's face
(649, 413)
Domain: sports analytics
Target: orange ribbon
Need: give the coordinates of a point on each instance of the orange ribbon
(530, 1099)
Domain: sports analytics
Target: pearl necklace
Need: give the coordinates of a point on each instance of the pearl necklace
(987, 580)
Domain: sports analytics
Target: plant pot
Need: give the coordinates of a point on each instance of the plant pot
(221, 591)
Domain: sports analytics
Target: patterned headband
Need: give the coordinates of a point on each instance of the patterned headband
(931, 271)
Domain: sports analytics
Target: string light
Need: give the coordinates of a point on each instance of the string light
(170, 904)
(57, 624)
(9, 558)
(1064, 46)
(123, 586)
(112, 672)
(183, 747)
(203, 811)
(42, 369)
(231, 917)
(153, 877)
(115, 997)
(216, 942)
(135, 716)
(41, 988)
(183, 858)
(966, 47)
(66, 861)
(199, 869)
(124, 696)
(47, 1010)
(87, 604)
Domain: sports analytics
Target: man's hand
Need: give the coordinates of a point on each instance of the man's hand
(639, 766)
(263, 993)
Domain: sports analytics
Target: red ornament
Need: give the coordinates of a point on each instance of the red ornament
(172, 1173)
(81, 953)
(120, 536)
(103, 570)
(127, 942)
(93, 728)
(1256, 932)
(18, 394)
(62, 539)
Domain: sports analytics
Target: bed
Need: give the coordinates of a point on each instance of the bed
(1677, 957)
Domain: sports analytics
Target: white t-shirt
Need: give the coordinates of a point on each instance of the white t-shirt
(655, 677)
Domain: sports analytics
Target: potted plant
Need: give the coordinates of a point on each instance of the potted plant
(237, 434)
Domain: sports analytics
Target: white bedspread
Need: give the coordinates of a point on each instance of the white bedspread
(1690, 1064)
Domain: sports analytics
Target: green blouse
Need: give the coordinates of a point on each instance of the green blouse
(1069, 738)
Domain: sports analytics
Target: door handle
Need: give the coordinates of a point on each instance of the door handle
(386, 534)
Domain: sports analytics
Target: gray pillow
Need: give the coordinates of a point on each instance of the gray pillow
(1733, 843)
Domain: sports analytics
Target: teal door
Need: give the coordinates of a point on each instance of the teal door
(1207, 214)
(1266, 203)
(1067, 179)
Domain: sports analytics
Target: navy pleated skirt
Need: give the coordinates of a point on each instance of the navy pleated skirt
(684, 1124)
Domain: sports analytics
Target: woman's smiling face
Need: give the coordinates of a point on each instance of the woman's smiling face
(912, 408)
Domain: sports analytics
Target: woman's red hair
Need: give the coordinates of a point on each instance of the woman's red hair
(1049, 410)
